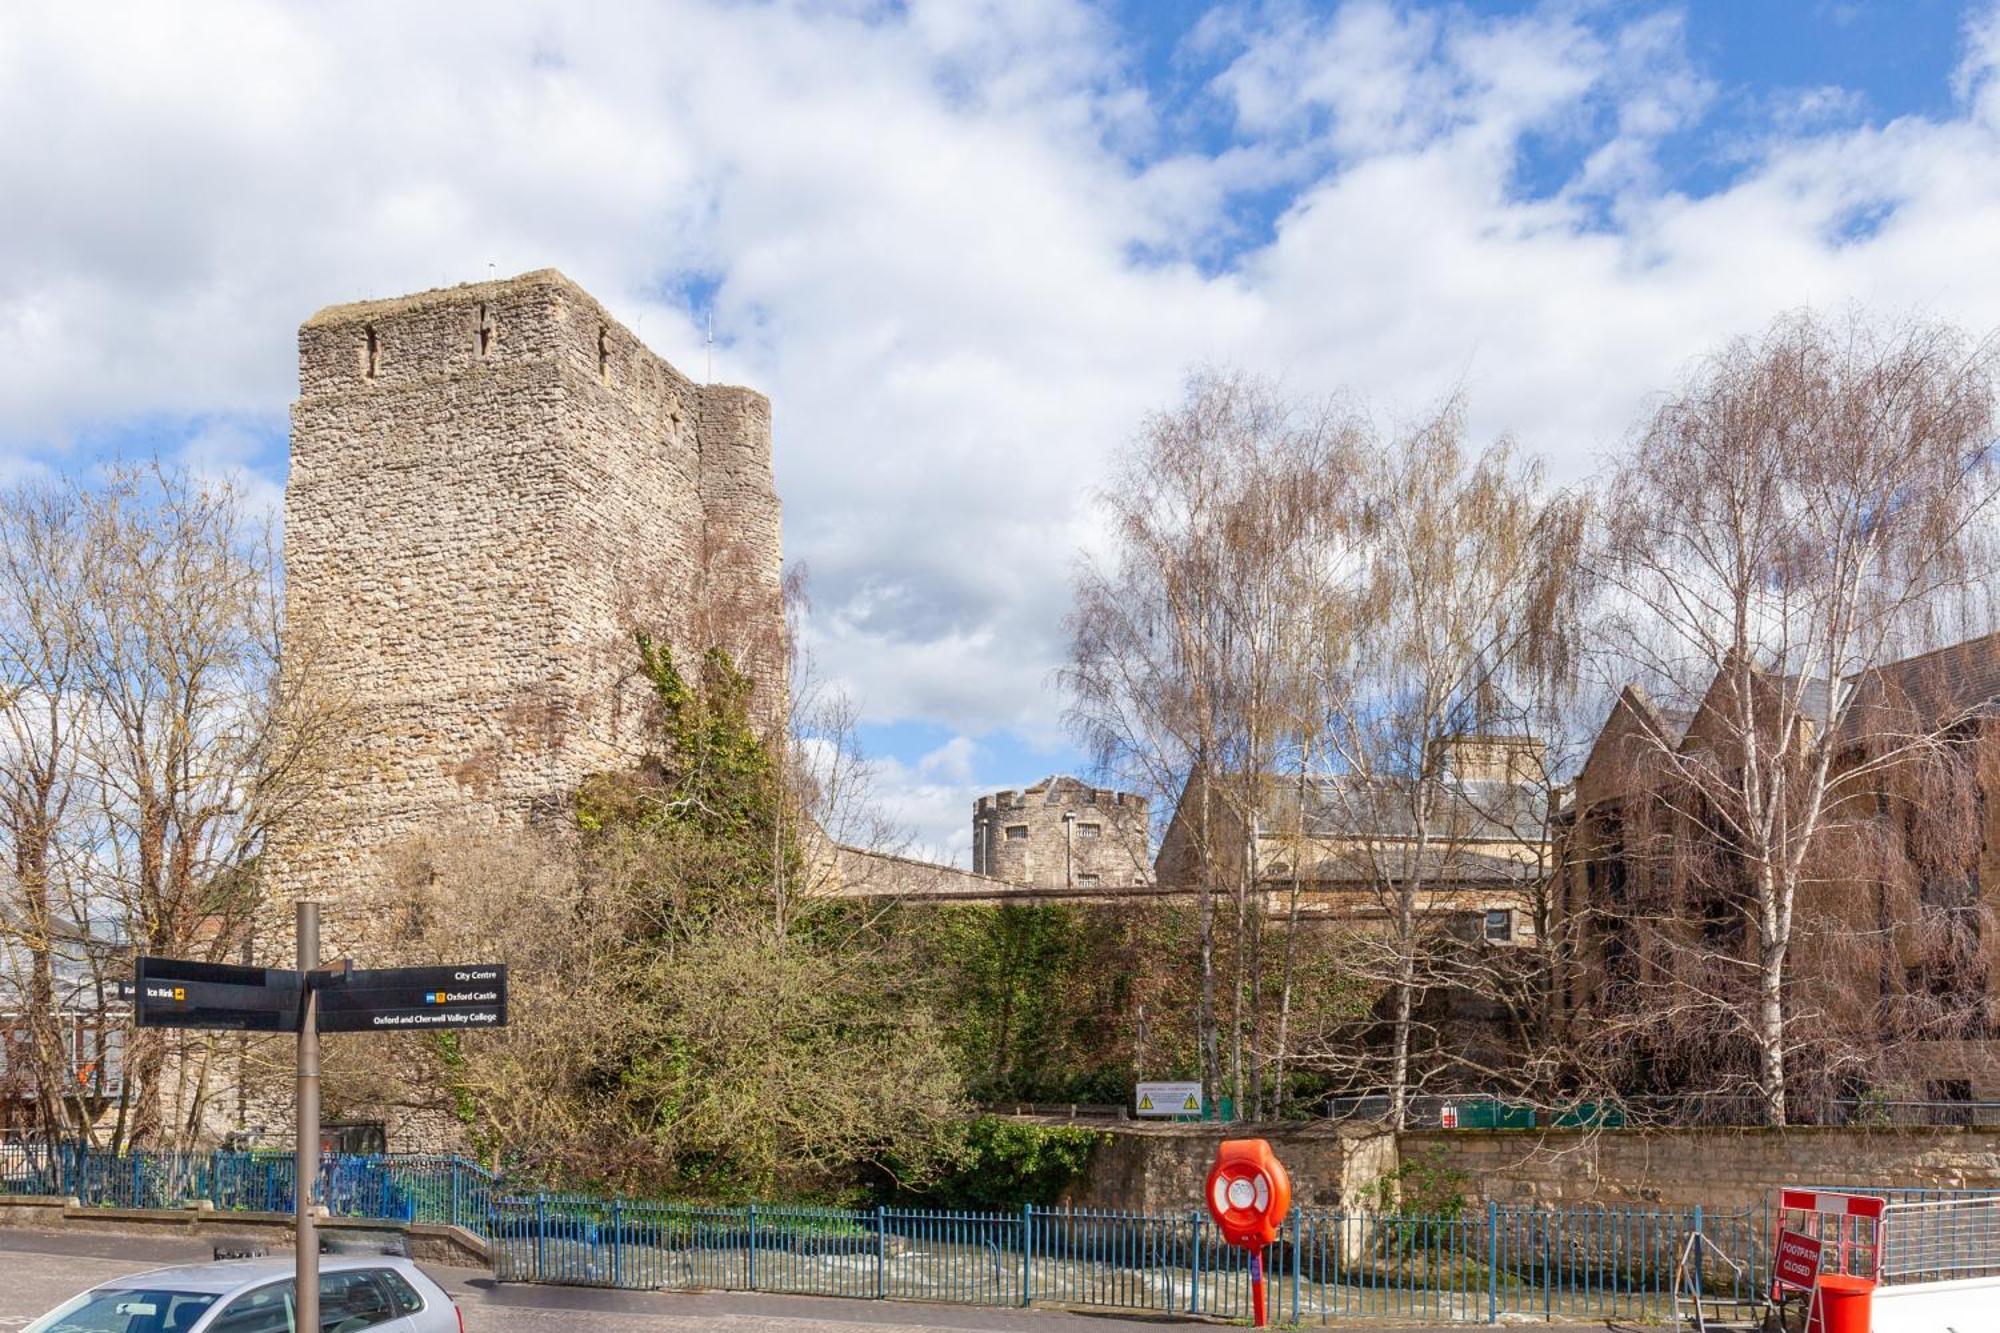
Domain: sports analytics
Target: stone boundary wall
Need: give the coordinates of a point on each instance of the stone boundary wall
(429, 1242)
(1161, 1167)
(1717, 1168)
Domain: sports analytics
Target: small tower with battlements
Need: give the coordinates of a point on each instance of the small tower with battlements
(1062, 834)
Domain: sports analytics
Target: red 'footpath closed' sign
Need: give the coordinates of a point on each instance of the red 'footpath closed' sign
(1797, 1261)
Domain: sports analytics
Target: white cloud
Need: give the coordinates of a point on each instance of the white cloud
(930, 801)
(962, 246)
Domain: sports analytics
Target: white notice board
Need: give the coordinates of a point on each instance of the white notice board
(1167, 1099)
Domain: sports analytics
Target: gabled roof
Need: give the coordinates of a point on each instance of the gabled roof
(1946, 681)
(1938, 686)
(1348, 807)
(1667, 726)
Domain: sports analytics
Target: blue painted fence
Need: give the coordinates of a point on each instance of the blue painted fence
(1483, 1266)
(396, 1187)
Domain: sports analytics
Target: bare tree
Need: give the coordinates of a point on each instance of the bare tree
(42, 553)
(1184, 644)
(150, 747)
(1466, 627)
(1806, 508)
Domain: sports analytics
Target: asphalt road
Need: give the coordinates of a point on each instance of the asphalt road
(39, 1270)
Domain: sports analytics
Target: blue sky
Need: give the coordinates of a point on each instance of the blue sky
(966, 244)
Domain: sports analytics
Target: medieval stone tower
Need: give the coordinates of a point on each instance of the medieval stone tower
(492, 486)
(1062, 834)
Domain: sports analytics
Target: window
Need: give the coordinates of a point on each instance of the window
(1086, 879)
(349, 1301)
(265, 1310)
(1089, 831)
(483, 333)
(1016, 832)
(373, 353)
(402, 1295)
(352, 1301)
(127, 1309)
(1500, 925)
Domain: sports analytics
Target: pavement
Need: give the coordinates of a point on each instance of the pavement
(41, 1269)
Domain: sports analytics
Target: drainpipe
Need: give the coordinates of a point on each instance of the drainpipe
(1069, 849)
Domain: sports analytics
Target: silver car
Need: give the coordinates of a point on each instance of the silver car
(255, 1296)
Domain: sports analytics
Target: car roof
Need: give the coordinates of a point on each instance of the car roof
(232, 1275)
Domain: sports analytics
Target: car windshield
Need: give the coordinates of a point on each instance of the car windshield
(126, 1310)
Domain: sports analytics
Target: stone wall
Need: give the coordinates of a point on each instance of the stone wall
(1717, 1168)
(1062, 834)
(1160, 1168)
(491, 487)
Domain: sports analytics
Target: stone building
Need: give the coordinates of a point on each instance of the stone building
(1891, 988)
(1347, 844)
(492, 487)
(1064, 834)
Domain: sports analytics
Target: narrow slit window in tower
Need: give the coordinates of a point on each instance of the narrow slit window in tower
(603, 355)
(374, 352)
(485, 332)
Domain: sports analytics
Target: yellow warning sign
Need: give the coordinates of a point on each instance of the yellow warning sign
(1145, 1102)
(1193, 1103)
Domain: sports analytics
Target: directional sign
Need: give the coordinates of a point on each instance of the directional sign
(402, 999)
(1168, 1099)
(175, 993)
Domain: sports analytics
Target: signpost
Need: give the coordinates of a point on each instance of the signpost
(176, 993)
(172, 993)
(1167, 1099)
(405, 998)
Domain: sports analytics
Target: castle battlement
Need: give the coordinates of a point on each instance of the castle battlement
(1062, 833)
(1058, 791)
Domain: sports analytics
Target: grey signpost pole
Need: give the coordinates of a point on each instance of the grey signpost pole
(306, 1186)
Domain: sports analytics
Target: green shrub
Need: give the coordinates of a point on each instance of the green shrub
(997, 1164)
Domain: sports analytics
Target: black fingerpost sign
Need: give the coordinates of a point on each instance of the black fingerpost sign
(176, 993)
(406, 999)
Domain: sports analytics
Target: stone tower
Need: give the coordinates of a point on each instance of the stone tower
(1062, 834)
(492, 486)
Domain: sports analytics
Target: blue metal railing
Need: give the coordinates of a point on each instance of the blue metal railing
(1483, 1265)
(390, 1187)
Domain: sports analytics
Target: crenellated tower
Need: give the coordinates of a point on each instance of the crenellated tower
(1062, 833)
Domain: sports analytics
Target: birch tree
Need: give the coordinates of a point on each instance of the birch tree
(1805, 507)
(1466, 627)
(1183, 649)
